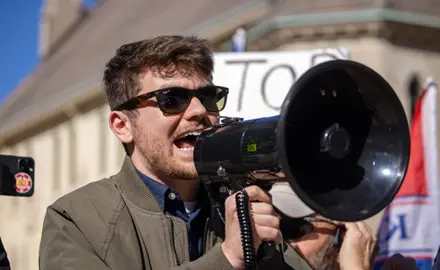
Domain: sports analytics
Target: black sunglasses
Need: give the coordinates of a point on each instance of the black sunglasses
(337, 241)
(174, 100)
(293, 228)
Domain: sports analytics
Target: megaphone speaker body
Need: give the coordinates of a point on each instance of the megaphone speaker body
(341, 141)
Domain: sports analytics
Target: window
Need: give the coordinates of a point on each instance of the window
(414, 89)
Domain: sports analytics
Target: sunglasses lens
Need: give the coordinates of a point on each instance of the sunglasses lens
(213, 98)
(174, 100)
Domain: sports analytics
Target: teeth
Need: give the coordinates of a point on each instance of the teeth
(187, 148)
(194, 133)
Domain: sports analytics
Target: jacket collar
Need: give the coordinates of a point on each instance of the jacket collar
(129, 182)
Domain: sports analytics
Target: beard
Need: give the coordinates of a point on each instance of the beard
(325, 258)
(158, 155)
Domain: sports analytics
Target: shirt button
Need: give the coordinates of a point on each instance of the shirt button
(171, 196)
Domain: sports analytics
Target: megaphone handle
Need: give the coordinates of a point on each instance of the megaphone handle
(267, 251)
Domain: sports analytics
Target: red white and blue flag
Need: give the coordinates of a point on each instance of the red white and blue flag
(411, 223)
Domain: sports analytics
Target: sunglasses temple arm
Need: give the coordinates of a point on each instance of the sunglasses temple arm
(338, 238)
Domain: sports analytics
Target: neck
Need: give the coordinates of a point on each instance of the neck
(187, 189)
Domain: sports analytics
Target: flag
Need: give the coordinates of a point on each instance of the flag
(239, 40)
(411, 223)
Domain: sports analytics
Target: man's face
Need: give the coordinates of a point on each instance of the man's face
(317, 247)
(156, 134)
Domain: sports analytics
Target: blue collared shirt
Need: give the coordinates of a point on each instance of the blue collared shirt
(169, 200)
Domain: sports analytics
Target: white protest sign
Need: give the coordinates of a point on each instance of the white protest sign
(258, 82)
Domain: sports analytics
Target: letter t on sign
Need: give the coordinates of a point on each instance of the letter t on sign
(246, 64)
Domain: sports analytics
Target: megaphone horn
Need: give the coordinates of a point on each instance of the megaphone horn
(341, 141)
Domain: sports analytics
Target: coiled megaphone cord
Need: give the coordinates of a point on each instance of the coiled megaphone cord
(247, 239)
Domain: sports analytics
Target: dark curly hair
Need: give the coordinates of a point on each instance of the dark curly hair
(123, 71)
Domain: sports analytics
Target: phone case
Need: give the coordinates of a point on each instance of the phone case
(17, 176)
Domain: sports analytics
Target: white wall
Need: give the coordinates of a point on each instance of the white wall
(66, 157)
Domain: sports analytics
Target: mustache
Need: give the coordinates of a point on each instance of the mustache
(200, 125)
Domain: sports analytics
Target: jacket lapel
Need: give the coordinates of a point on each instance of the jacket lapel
(132, 186)
(152, 226)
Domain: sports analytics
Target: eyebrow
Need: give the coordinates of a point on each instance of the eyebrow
(168, 85)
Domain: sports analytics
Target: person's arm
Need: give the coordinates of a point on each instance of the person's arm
(4, 262)
(63, 246)
(213, 259)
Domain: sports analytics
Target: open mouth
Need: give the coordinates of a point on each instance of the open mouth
(187, 141)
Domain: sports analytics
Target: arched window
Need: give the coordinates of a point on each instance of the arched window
(414, 90)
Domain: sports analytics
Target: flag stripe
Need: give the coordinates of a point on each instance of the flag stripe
(429, 125)
(410, 223)
(415, 181)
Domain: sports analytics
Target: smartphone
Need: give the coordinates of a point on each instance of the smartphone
(17, 176)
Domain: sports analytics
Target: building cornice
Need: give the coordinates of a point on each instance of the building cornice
(356, 16)
(404, 28)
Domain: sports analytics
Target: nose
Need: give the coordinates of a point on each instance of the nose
(195, 110)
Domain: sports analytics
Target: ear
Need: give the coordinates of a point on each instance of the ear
(121, 126)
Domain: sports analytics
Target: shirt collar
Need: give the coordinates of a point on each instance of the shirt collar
(161, 191)
(158, 189)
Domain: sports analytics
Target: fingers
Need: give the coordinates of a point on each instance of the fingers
(267, 221)
(268, 234)
(255, 193)
(262, 208)
(351, 226)
(358, 247)
(264, 218)
(364, 228)
(360, 227)
(259, 207)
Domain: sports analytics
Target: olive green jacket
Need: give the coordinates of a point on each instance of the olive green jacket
(117, 224)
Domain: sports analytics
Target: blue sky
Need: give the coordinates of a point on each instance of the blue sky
(19, 20)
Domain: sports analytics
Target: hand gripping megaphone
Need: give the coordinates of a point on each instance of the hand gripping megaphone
(341, 141)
